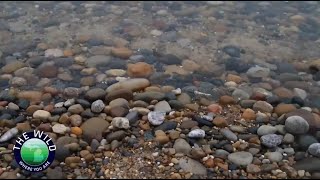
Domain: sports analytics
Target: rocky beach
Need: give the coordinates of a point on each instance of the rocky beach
(177, 90)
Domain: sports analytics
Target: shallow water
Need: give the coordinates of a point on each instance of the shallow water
(263, 31)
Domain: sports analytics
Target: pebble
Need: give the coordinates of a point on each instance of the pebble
(120, 122)
(266, 129)
(314, 149)
(53, 53)
(97, 106)
(162, 106)
(229, 134)
(139, 70)
(95, 94)
(59, 128)
(182, 146)
(93, 128)
(271, 140)
(197, 133)
(41, 114)
(9, 134)
(241, 158)
(262, 106)
(258, 71)
(193, 166)
(296, 125)
(274, 156)
(134, 84)
(156, 118)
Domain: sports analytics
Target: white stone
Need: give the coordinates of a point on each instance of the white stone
(53, 52)
(120, 122)
(59, 128)
(156, 118)
(197, 133)
(41, 114)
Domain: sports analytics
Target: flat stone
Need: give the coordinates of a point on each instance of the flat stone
(149, 96)
(192, 166)
(162, 106)
(119, 93)
(241, 158)
(182, 146)
(93, 128)
(310, 164)
(131, 84)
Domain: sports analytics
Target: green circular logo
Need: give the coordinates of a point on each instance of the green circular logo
(34, 152)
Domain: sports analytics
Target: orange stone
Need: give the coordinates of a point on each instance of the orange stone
(68, 53)
(140, 69)
(220, 122)
(249, 114)
(209, 163)
(215, 108)
(225, 100)
(121, 52)
(284, 108)
(48, 108)
(76, 130)
(234, 78)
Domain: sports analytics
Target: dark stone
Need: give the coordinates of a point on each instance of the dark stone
(23, 103)
(232, 51)
(235, 64)
(175, 104)
(4, 83)
(297, 100)
(311, 164)
(305, 141)
(19, 119)
(284, 67)
(170, 59)
(13, 113)
(228, 147)
(133, 117)
(170, 96)
(232, 167)
(63, 62)
(202, 121)
(61, 153)
(5, 116)
(117, 135)
(84, 103)
(87, 114)
(299, 156)
(58, 111)
(6, 96)
(166, 126)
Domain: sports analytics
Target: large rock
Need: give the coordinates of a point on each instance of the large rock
(41, 114)
(310, 164)
(95, 94)
(149, 96)
(308, 116)
(296, 125)
(193, 166)
(241, 158)
(131, 84)
(314, 149)
(120, 93)
(182, 146)
(93, 128)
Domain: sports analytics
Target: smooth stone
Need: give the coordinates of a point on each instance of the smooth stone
(202, 121)
(184, 98)
(93, 128)
(75, 109)
(98, 60)
(266, 129)
(240, 94)
(304, 141)
(197, 133)
(314, 124)
(117, 135)
(192, 166)
(296, 125)
(131, 84)
(97, 106)
(228, 134)
(119, 102)
(59, 128)
(95, 94)
(162, 106)
(241, 158)
(271, 140)
(119, 93)
(120, 122)
(41, 114)
(118, 111)
(262, 106)
(188, 124)
(166, 126)
(310, 164)
(258, 71)
(182, 146)
(133, 117)
(314, 149)
(156, 118)
(274, 156)
(149, 96)
(288, 138)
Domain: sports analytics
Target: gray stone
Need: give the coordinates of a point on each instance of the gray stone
(274, 156)
(311, 164)
(162, 106)
(240, 94)
(241, 158)
(296, 125)
(98, 60)
(97, 106)
(229, 134)
(262, 106)
(149, 96)
(314, 149)
(266, 129)
(120, 122)
(197, 133)
(304, 141)
(271, 140)
(133, 117)
(288, 138)
(192, 166)
(258, 71)
(156, 118)
(117, 135)
(182, 146)
(95, 94)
